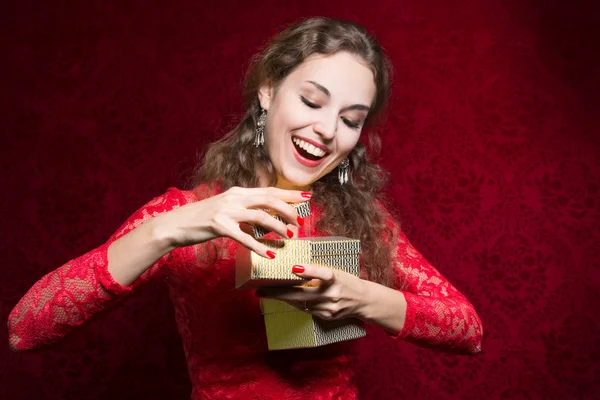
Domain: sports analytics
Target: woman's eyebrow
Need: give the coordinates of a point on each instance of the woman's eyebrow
(328, 94)
(321, 88)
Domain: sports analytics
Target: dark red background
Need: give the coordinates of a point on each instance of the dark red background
(492, 138)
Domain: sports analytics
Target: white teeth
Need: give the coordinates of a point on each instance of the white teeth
(315, 151)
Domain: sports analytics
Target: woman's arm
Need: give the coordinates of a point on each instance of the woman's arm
(426, 309)
(382, 306)
(69, 295)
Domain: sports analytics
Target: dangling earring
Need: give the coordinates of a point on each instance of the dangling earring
(343, 171)
(259, 138)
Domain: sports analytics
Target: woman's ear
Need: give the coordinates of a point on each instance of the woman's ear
(265, 95)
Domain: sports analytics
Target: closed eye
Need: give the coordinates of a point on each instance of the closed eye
(308, 103)
(351, 124)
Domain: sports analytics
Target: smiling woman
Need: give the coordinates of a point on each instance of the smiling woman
(308, 95)
(324, 119)
(319, 83)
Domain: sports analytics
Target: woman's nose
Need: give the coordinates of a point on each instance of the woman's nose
(326, 127)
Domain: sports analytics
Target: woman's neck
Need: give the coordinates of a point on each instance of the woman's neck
(281, 183)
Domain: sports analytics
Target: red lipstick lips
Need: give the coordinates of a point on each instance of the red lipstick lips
(305, 161)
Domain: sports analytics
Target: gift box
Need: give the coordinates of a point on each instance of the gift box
(254, 271)
(289, 328)
(286, 326)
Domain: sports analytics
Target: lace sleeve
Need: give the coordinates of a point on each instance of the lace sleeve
(69, 295)
(437, 314)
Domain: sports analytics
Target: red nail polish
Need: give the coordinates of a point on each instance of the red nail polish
(290, 233)
(270, 254)
(298, 269)
(300, 221)
(306, 195)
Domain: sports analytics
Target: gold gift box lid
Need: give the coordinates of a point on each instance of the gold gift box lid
(254, 271)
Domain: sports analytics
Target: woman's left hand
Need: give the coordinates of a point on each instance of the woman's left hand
(336, 295)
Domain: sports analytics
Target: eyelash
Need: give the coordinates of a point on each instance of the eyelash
(349, 124)
(308, 103)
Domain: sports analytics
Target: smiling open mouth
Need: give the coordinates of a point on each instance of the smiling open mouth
(307, 150)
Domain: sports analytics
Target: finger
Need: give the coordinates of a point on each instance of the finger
(278, 206)
(323, 314)
(296, 304)
(289, 196)
(252, 244)
(259, 217)
(325, 274)
(313, 306)
(307, 306)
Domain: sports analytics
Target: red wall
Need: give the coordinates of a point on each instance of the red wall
(492, 138)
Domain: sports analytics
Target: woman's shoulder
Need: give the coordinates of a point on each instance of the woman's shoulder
(205, 190)
(174, 197)
(191, 195)
(388, 212)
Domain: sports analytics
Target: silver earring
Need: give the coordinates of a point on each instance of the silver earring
(343, 171)
(259, 138)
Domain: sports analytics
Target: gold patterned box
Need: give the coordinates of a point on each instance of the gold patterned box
(254, 271)
(286, 326)
(289, 328)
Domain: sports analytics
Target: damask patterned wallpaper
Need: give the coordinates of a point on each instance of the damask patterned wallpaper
(492, 140)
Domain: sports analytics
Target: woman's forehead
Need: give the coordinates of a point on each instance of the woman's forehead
(342, 74)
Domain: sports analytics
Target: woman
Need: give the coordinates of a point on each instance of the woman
(308, 96)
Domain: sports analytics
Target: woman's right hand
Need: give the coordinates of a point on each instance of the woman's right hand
(221, 216)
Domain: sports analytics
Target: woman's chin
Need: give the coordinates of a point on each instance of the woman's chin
(296, 182)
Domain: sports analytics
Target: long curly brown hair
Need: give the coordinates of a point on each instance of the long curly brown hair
(351, 210)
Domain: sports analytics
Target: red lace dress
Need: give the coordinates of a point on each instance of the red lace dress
(222, 328)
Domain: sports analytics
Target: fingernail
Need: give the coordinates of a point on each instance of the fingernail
(300, 221)
(306, 195)
(298, 269)
(290, 233)
(270, 254)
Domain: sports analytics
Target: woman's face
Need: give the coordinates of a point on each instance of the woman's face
(315, 117)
